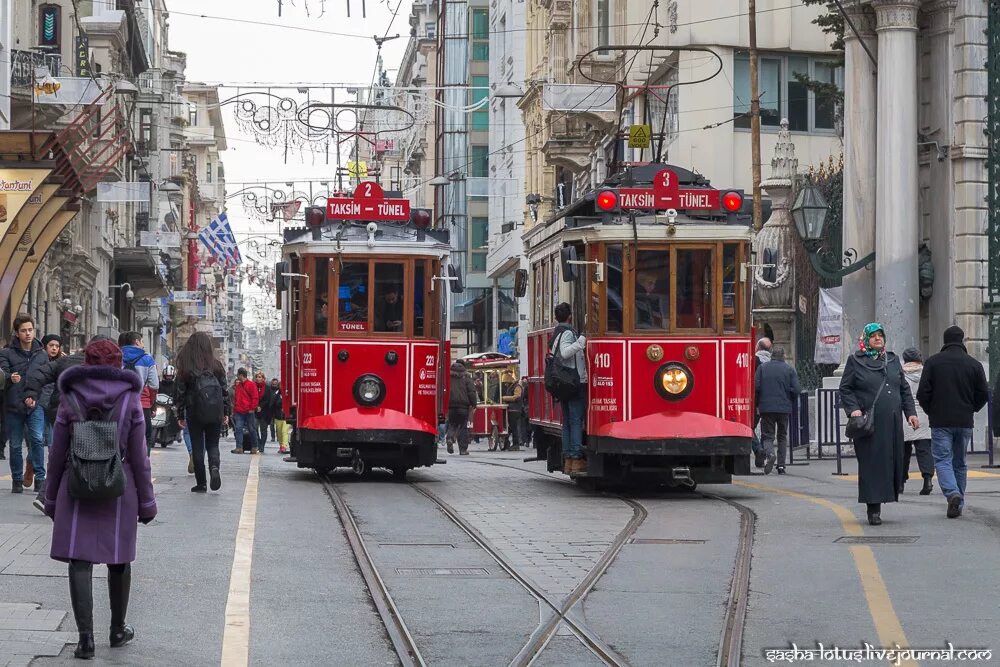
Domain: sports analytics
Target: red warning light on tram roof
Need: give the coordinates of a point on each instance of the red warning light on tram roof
(732, 201)
(607, 200)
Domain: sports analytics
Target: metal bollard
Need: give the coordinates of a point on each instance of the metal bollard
(836, 407)
(989, 430)
(795, 430)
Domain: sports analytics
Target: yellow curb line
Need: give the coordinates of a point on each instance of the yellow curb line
(236, 638)
(887, 625)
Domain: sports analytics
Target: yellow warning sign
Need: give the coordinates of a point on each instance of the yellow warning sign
(357, 169)
(638, 136)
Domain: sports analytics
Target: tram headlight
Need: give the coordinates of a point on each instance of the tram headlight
(674, 381)
(369, 390)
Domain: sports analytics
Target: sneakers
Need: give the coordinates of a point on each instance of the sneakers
(954, 506)
(38, 503)
(216, 480)
(781, 470)
(199, 488)
(769, 464)
(190, 464)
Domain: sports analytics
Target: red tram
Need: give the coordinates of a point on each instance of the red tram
(363, 296)
(663, 297)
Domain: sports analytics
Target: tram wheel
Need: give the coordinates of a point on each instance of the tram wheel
(399, 474)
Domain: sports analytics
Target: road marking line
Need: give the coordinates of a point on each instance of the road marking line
(236, 637)
(887, 625)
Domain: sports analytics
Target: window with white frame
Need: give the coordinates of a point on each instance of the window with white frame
(784, 91)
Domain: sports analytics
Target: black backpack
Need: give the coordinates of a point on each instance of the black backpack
(95, 458)
(561, 380)
(207, 403)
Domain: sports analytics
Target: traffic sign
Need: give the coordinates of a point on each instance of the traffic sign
(368, 203)
(638, 136)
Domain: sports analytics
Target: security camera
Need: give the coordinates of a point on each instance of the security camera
(672, 215)
(372, 227)
(130, 295)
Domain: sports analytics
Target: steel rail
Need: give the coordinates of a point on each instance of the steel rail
(731, 643)
(399, 635)
(562, 612)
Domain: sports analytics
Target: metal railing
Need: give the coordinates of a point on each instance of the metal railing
(24, 63)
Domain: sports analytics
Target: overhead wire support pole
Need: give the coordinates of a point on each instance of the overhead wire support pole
(755, 119)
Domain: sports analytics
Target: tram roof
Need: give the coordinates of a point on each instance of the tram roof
(354, 238)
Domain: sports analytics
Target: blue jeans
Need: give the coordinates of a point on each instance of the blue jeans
(187, 439)
(31, 425)
(948, 446)
(572, 426)
(47, 434)
(247, 423)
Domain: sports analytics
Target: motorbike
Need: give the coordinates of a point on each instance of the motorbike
(166, 430)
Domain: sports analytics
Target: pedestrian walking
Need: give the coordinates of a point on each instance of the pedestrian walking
(952, 390)
(517, 406)
(101, 531)
(53, 351)
(135, 359)
(3, 428)
(917, 439)
(462, 400)
(569, 349)
(874, 383)
(280, 424)
(24, 420)
(245, 400)
(265, 408)
(202, 405)
(762, 355)
(776, 387)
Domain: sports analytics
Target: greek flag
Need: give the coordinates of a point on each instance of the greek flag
(220, 240)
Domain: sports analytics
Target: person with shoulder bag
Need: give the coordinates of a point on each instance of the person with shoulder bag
(100, 485)
(202, 404)
(875, 395)
(566, 380)
(462, 401)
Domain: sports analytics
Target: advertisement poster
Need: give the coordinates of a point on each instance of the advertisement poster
(829, 326)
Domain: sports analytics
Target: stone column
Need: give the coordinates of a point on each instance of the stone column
(859, 171)
(897, 298)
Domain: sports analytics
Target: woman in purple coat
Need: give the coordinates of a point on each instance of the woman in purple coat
(100, 531)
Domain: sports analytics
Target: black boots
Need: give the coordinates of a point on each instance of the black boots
(119, 585)
(875, 514)
(928, 486)
(81, 594)
(216, 481)
(17, 487)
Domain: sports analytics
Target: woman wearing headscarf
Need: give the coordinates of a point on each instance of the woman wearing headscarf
(919, 439)
(86, 532)
(874, 377)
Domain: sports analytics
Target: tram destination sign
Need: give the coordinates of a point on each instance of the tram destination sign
(689, 199)
(368, 203)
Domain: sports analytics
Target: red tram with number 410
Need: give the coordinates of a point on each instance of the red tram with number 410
(363, 292)
(655, 267)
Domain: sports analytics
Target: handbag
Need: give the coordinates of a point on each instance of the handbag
(864, 426)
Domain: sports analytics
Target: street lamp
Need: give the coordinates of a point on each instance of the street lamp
(809, 212)
(508, 91)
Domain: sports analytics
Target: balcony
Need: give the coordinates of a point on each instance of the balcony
(24, 63)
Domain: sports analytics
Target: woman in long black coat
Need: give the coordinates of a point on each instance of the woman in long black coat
(881, 468)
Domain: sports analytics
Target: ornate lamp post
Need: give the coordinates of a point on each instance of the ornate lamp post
(809, 213)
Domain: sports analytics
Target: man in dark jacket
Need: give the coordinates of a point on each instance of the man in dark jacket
(776, 387)
(952, 390)
(18, 361)
(762, 355)
(462, 399)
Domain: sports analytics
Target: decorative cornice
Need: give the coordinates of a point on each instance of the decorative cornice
(895, 14)
(862, 17)
(939, 6)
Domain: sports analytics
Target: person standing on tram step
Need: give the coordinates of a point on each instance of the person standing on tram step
(280, 424)
(85, 532)
(873, 378)
(462, 401)
(761, 356)
(245, 399)
(572, 348)
(202, 404)
(952, 390)
(25, 422)
(777, 391)
(135, 359)
(919, 439)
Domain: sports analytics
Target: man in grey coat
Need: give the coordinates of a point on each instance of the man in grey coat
(776, 385)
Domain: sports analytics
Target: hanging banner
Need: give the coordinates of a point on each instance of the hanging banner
(829, 326)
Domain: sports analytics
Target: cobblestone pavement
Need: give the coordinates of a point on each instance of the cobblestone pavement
(515, 512)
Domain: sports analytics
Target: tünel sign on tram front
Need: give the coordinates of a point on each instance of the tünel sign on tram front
(368, 203)
(666, 193)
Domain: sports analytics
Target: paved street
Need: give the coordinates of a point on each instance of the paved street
(661, 601)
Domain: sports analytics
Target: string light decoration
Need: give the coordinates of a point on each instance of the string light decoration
(309, 8)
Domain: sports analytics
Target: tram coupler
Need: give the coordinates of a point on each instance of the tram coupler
(682, 475)
(358, 464)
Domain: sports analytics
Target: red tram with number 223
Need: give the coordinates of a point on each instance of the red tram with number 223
(362, 289)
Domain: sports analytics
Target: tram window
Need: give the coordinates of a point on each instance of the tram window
(321, 292)
(730, 288)
(652, 290)
(352, 297)
(540, 317)
(295, 301)
(419, 298)
(389, 298)
(694, 290)
(616, 282)
(547, 304)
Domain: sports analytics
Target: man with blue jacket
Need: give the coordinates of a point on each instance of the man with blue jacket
(777, 389)
(134, 358)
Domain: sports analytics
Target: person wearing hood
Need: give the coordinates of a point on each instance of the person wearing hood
(761, 356)
(920, 438)
(462, 400)
(874, 380)
(777, 393)
(22, 417)
(134, 358)
(85, 532)
(952, 390)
